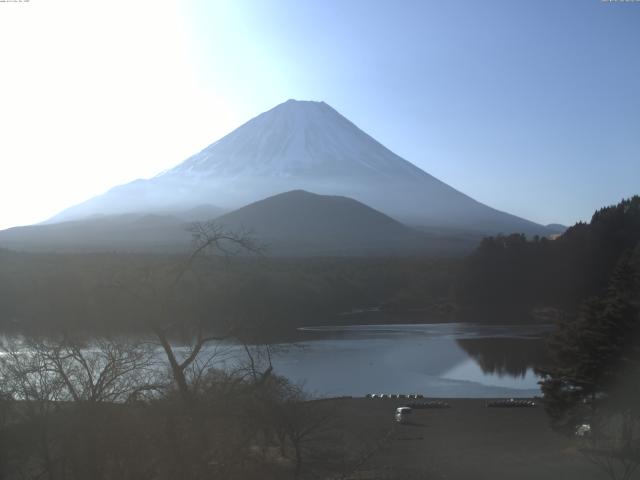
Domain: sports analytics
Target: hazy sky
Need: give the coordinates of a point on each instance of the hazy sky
(530, 106)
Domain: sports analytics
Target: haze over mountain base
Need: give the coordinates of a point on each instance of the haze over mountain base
(296, 223)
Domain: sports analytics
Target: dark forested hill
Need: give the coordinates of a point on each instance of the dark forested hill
(300, 222)
(508, 276)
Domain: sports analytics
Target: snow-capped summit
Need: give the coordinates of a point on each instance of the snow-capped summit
(295, 139)
(304, 145)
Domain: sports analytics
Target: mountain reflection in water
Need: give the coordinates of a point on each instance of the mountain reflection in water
(505, 356)
(437, 360)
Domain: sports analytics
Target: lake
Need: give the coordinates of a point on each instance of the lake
(436, 360)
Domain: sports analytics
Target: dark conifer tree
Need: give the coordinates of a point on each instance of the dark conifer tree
(595, 372)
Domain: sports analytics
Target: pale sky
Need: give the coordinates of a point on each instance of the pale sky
(532, 107)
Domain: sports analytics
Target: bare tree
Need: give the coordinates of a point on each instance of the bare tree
(298, 422)
(101, 371)
(168, 297)
(24, 378)
(62, 388)
(159, 293)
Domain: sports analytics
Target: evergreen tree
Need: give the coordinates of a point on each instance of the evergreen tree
(595, 372)
(507, 277)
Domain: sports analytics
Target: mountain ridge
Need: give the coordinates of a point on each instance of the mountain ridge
(294, 223)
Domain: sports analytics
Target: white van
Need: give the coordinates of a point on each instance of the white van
(402, 414)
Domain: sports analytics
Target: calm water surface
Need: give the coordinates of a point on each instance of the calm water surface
(436, 360)
(439, 360)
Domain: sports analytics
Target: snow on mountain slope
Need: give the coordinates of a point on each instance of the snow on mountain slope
(295, 139)
(310, 146)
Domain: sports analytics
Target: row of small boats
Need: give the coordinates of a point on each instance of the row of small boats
(394, 395)
(511, 403)
(506, 403)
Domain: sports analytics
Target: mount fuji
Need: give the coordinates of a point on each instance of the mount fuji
(309, 146)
